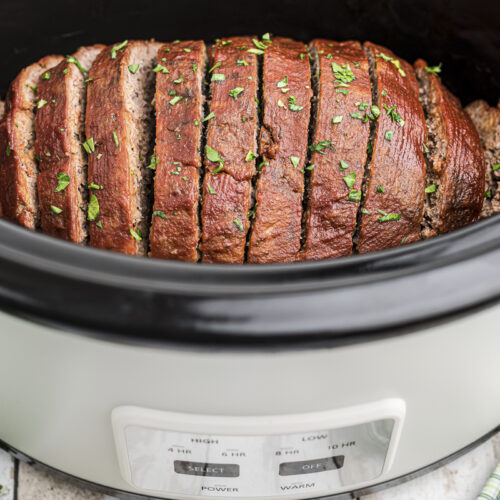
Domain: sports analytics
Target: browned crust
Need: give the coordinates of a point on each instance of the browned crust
(58, 141)
(115, 162)
(487, 122)
(331, 216)
(397, 165)
(276, 230)
(178, 171)
(227, 194)
(18, 167)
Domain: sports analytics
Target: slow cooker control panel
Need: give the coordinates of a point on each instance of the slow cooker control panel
(177, 454)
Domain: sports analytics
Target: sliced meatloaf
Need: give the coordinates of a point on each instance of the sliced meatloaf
(59, 145)
(232, 134)
(341, 134)
(18, 166)
(487, 122)
(276, 229)
(179, 114)
(456, 171)
(120, 123)
(395, 185)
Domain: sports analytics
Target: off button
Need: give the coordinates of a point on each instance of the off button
(310, 466)
(206, 469)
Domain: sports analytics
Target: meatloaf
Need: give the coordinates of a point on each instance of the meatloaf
(246, 150)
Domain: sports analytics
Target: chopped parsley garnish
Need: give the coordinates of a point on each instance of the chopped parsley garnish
(93, 185)
(375, 111)
(252, 212)
(354, 195)
(262, 165)
(65, 71)
(388, 217)
(209, 117)
(93, 210)
(46, 75)
(175, 100)
(196, 123)
(257, 52)
(211, 190)
(343, 165)
(281, 104)
(7, 149)
(322, 145)
(259, 44)
(358, 116)
(41, 103)
(115, 137)
(292, 104)
(295, 160)
(216, 65)
(394, 115)
(388, 135)
(366, 211)
(337, 119)
(282, 83)
(160, 68)
(136, 233)
(213, 155)
(118, 47)
(496, 166)
(384, 92)
(238, 224)
(266, 37)
(250, 156)
(342, 91)
(154, 160)
(55, 209)
(89, 145)
(342, 73)
(76, 62)
(159, 213)
(133, 68)
(431, 188)
(218, 77)
(426, 149)
(311, 167)
(350, 179)
(434, 70)
(396, 62)
(380, 188)
(178, 80)
(185, 49)
(487, 194)
(234, 93)
(241, 62)
(195, 68)
(226, 42)
(63, 181)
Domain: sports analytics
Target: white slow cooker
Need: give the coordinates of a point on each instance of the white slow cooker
(170, 380)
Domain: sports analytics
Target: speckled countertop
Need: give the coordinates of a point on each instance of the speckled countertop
(461, 479)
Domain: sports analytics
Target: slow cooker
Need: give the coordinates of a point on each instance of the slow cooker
(163, 379)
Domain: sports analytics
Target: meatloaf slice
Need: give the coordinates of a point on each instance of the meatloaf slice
(456, 169)
(59, 126)
(343, 114)
(487, 122)
(276, 229)
(18, 166)
(394, 195)
(120, 124)
(232, 133)
(179, 110)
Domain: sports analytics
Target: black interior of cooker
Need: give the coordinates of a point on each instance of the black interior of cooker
(339, 301)
(462, 34)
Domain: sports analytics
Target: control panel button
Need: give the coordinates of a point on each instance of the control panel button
(205, 469)
(310, 466)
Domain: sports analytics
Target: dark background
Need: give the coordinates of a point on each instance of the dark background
(463, 34)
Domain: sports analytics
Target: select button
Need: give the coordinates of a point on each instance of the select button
(310, 466)
(205, 469)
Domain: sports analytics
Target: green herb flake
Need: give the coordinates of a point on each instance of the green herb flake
(283, 82)
(292, 104)
(320, 146)
(239, 225)
(218, 77)
(153, 163)
(99, 156)
(94, 186)
(252, 212)
(380, 188)
(431, 188)
(250, 156)
(426, 149)
(213, 155)
(266, 37)
(63, 181)
(65, 71)
(185, 49)
(160, 68)
(388, 135)
(76, 62)
(496, 166)
(216, 65)
(241, 62)
(159, 213)
(375, 110)
(295, 161)
(259, 44)
(195, 68)
(366, 211)
(341, 91)
(136, 234)
(178, 80)
(343, 165)
(357, 116)
(337, 119)
(350, 179)
(209, 117)
(46, 75)
(93, 209)
(342, 73)
(281, 104)
(262, 165)
(133, 68)
(434, 70)
(118, 47)
(7, 149)
(226, 42)
(89, 145)
(41, 103)
(175, 100)
(354, 196)
(388, 217)
(55, 209)
(257, 52)
(211, 190)
(234, 93)
(196, 123)
(115, 138)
